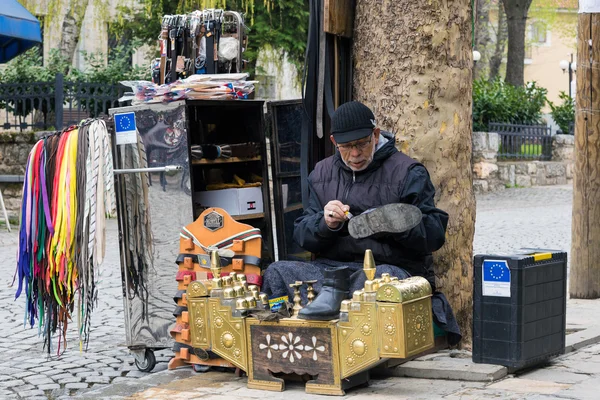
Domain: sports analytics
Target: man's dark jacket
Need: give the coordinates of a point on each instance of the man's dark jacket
(392, 177)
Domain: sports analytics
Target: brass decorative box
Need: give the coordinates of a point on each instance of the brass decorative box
(387, 319)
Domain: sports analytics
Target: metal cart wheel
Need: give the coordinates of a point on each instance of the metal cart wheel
(148, 363)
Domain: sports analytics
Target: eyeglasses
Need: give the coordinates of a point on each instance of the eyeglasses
(358, 146)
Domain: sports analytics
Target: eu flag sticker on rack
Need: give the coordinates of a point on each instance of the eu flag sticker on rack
(125, 128)
(496, 278)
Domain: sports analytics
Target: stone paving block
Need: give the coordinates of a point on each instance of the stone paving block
(483, 393)
(555, 375)
(49, 386)
(5, 378)
(72, 379)
(29, 386)
(78, 370)
(529, 386)
(38, 379)
(96, 365)
(583, 338)
(31, 393)
(67, 366)
(9, 384)
(111, 374)
(587, 390)
(41, 369)
(76, 385)
(450, 368)
(136, 374)
(578, 366)
(86, 374)
(97, 379)
(63, 375)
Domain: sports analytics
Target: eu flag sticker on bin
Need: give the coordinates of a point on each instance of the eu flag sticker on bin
(496, 278)
(125, 128)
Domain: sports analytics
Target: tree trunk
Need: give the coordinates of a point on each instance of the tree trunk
(71, 28)
(501, 37)
(482, 37)
(516, 18)
(585, 242)
(413, 66)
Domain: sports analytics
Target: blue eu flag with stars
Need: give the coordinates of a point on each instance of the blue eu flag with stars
(496, 271)
(124, 122)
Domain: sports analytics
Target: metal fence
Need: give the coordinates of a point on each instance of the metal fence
(54, 105)
(523, 142)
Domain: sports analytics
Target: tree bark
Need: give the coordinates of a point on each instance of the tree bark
(516, 18)
(482, 38)
(71, 28)
(501, 37)
(585, 242)
(413, 67)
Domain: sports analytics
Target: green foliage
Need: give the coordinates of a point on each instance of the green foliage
(563, 114)
(498, 101)
(26, 71)
(282, 24)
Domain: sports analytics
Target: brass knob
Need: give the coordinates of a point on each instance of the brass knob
(241, 304)
(233, 276)
(251, 302)
(252, 288)
(345, 306)
(239, 291)
(228, 293)
(227, 282)
(241, 277)
(217, 283)
(264, 299)
(357, 295)
(385, 277)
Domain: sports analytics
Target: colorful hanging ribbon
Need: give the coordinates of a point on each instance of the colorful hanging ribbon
(67, 194)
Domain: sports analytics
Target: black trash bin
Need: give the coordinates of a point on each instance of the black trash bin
(519, 307)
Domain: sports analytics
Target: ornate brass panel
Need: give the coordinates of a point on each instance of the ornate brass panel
(294, 346)
(359, 340)
(196, 289)
(228, 334)
(391, 330)
(405, 290)
(198, 309)
(418, 324)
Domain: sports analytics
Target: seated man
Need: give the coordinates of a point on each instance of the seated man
(368, 195)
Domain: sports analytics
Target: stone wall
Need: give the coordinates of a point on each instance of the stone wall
(14, 149)
(490, 175)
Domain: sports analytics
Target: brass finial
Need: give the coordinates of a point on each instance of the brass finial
(215, 264)
(369, 265)
(310, 296)
(297, 298)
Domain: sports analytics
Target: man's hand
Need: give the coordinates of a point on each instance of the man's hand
(335, 213)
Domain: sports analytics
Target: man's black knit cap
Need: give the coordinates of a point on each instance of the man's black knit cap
(352, 121)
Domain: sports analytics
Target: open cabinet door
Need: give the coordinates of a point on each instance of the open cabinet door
(286, 133)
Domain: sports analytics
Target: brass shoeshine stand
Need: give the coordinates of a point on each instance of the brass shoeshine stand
(388, 318)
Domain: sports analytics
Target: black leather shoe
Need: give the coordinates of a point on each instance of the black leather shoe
(335, 288)
(391, 218)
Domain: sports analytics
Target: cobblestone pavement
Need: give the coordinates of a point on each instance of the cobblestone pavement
(534, 217)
